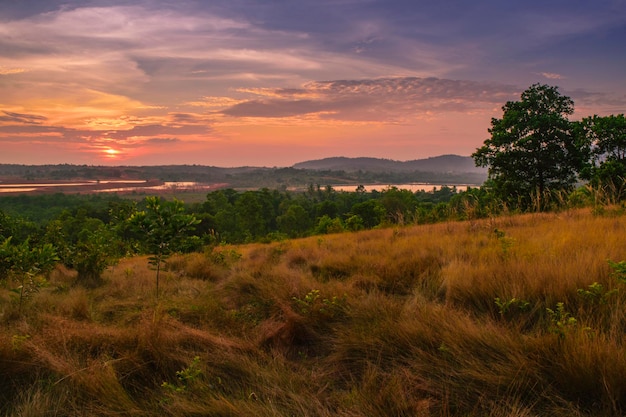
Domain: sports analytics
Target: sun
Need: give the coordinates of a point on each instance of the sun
(111, 153)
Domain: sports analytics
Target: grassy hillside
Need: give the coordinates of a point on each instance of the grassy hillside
(512, 316)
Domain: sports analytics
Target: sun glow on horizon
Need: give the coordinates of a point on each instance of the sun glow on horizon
(111, 153)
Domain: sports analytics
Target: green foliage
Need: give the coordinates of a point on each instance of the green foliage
(327, 225)
(507, 308)
(162, 226)
(595, 294)
(295, 221)
(26, 265)
(313, 305)
(92, 254)
(354, 223)
(399, 205)
(371, 213)
(532, 151)
(185, 377)
(605, 138)
(561, 321)
(619, 271)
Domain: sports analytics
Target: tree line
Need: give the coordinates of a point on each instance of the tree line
(87, 233)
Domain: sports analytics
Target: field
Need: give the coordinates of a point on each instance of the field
(511, 316)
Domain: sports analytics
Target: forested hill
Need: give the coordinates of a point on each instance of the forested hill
(443, 163)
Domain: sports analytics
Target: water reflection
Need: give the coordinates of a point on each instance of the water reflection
(413, 187)
(166, 186)
(127, 186)
(90, 185)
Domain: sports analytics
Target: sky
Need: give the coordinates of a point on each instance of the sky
(275, 82)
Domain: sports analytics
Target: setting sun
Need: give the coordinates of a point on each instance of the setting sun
(111, 153)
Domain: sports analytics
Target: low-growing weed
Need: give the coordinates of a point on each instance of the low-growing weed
(18, 340)
(312, 304)
(507, 308)
(561, 321)
(506, 242)
(595, 294)
(224, 257)
(185, 376)
(619, 271)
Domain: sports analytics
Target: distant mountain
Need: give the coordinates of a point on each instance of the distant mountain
(439, 164)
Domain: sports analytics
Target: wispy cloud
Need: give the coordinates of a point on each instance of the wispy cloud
(379, 100)
(162, 141)
(551, 75)
(10, 71)
(31, 119)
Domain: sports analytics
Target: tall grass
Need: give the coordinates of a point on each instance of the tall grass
(508, 316)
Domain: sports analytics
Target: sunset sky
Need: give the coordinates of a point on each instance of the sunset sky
(275, 82)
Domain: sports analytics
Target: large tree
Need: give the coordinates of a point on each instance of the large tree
(532, 151)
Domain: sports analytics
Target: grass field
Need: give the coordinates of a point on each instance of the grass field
(511, 316)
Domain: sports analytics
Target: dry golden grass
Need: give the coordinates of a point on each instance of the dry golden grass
(389, 322)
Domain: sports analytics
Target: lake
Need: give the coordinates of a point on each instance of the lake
(413, 187)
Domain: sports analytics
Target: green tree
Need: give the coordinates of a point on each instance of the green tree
(606, 139)
(399, 204)
(86, 244)
(25, 265)
(370, 212)
(162, 227)
(295, 221)
(250, 220)
(93, 253)
(532, 151)
(326, 225)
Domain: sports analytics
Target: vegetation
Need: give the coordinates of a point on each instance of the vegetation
(226, 216)
(432, 320)
(162, 225)
(535, 154)
(532, 149)
(605, 138)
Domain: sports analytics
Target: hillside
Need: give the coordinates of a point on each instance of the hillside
(508, 316)
(438, 164)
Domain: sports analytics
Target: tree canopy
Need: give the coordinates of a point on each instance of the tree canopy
(532, 151)
(605, 138)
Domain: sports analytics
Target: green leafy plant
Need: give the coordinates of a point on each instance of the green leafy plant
(185, 377)
(314, 305)
(506, 307)
(561, 321)
(596, 294)
(305, 304)
(619, 270)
